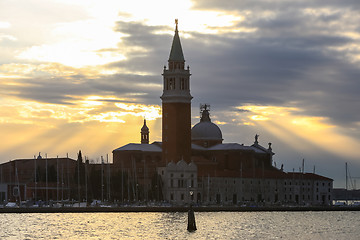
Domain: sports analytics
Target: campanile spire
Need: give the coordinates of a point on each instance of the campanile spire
(176, 53)
(176, 105)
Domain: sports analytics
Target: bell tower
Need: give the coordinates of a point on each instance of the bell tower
(144, 134)
(176, 106)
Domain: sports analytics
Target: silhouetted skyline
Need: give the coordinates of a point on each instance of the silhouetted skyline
(80, 76)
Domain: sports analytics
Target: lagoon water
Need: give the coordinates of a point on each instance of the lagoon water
(210, 225)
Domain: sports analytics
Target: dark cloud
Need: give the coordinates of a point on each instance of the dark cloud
(45, 89)
(241, 110)
(294, 58)
(150, 50)
(279, 5)
(291, 59)
(267, 67)
(68, 89)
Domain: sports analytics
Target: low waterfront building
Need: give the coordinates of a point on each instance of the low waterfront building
(37, 179)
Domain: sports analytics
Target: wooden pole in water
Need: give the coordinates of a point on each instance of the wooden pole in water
(191, 217)
(191, 220)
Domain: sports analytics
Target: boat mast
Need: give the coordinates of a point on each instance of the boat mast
(35, 182)
(102, 179)
(62, 183)
(18, 184)
(108, 176)
(241, 175)
(128, 182)
(145, 190)
(136, 181)
(78, 175)
(346, 183)
(208, 188)
(46, 178)
(133, 177)
(122, 181)
(57, 178)
(86, 174)
(68, 175)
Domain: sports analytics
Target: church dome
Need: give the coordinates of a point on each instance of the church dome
(205, 129)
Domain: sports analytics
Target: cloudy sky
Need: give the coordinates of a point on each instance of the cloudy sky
(83, 75)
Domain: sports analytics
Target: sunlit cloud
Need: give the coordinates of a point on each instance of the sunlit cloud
(148, 112)
(93, 138)
(262, 113)
(220, 123)
(7, 37)
(4, 24)
(80, 43)
(77, 43)
(70, 54)
(312, 123)
(65, 127)
(191, 20)
(299, 131)
(259, 118)
(51, 69)
(91, 108)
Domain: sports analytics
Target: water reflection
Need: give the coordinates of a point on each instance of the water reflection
(219, 225)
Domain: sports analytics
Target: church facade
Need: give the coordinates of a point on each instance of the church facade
(194, 165)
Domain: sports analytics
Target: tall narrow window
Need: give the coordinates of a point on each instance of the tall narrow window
(182, 84)
(171, 83)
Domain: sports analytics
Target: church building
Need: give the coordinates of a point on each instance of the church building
(189, 165)
(194, 165)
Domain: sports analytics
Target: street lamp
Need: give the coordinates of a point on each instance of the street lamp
(191, 195)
